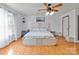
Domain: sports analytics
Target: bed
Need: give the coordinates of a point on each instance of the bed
(39, 38)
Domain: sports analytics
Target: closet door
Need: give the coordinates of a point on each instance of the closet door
(65, 26)
(78, 27)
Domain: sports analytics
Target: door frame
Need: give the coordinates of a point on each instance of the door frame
(63, 25)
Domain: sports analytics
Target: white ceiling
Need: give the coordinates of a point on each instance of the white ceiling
(32, 8)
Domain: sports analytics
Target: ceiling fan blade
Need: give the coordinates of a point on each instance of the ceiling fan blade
(46, 5)
(41, 9)
(55, 10)
(57, 5)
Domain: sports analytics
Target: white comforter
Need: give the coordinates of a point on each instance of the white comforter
(39, 34)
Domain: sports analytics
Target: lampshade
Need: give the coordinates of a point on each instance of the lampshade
(52, 13)
(47, 13)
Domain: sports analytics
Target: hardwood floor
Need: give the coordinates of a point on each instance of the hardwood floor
(62, 47)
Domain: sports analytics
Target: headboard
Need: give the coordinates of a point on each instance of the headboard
(38, 27)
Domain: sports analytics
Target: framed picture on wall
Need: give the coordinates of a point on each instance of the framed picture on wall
(40, 19)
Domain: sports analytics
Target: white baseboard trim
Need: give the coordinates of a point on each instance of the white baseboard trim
(69, 39)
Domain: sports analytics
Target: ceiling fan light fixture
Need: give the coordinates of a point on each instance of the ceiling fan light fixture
(47, 13)
(52, 13)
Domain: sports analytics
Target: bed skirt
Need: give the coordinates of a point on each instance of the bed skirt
(39, 41)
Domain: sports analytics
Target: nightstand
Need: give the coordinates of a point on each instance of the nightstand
(24, 32)
(53, 32)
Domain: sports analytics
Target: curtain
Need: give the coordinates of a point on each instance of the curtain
(7, 26)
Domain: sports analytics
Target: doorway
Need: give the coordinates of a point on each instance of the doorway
(78, 27)
(65, 26)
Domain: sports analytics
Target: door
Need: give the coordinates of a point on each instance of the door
(78, 27)
(65, 26)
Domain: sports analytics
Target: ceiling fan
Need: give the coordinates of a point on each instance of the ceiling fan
(51, 9)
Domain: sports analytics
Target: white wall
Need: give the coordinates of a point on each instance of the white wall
(72, 24)
(53, 23)
(18, 22)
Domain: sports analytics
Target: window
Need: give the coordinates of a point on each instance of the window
(7, 25)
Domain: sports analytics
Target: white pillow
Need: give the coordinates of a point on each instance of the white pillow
(35, 29)
(42, 29)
